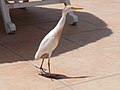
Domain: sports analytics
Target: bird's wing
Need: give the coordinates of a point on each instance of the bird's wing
(45, 47)
(48, 44)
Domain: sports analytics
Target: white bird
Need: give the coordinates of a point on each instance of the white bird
(51, 40)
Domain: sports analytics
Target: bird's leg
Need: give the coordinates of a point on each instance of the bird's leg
(49, 66)
(49, 74)
(42, 64)
(43, 71)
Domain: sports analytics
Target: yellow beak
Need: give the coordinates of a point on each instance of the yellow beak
(76, 8)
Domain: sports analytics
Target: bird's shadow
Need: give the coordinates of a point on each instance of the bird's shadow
(61, 76)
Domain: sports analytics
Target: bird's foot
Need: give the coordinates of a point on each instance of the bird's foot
(42, 71)
(41, 68)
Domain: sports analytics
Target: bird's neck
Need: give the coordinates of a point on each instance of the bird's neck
(61, 23)
(59, 27)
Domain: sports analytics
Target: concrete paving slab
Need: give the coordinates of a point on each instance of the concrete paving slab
(63, 88)
(113, 52)
(87, 56)
(110, 82)
(80, 64)
(88, 66)
(91, 18)
(27, 40)
(112, 40)
(69, 29)
(26, 77)
(92, 38)
(7, 56)
(27, 32)
(28, 46)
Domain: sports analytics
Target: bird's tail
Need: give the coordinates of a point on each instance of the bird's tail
(37, 55)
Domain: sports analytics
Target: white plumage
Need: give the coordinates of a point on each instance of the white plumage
(51, 40)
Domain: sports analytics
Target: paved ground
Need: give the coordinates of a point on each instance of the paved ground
(88, 55)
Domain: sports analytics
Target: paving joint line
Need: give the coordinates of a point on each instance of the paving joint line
(72, 41)
(109, 57)
(96, 79)
(17, 54)
(105, 55)
(11, 50)
(100, 78)
(89, 22)
(42, 23)
(91, 30)
(65, 85)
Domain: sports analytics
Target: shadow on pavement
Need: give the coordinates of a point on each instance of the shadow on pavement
(61, 76)
(29, 34)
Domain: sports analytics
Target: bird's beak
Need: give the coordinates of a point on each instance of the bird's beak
(76, 8)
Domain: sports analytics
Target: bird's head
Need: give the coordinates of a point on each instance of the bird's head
(69, 8)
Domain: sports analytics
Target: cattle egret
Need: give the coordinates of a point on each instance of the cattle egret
(51, 40)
